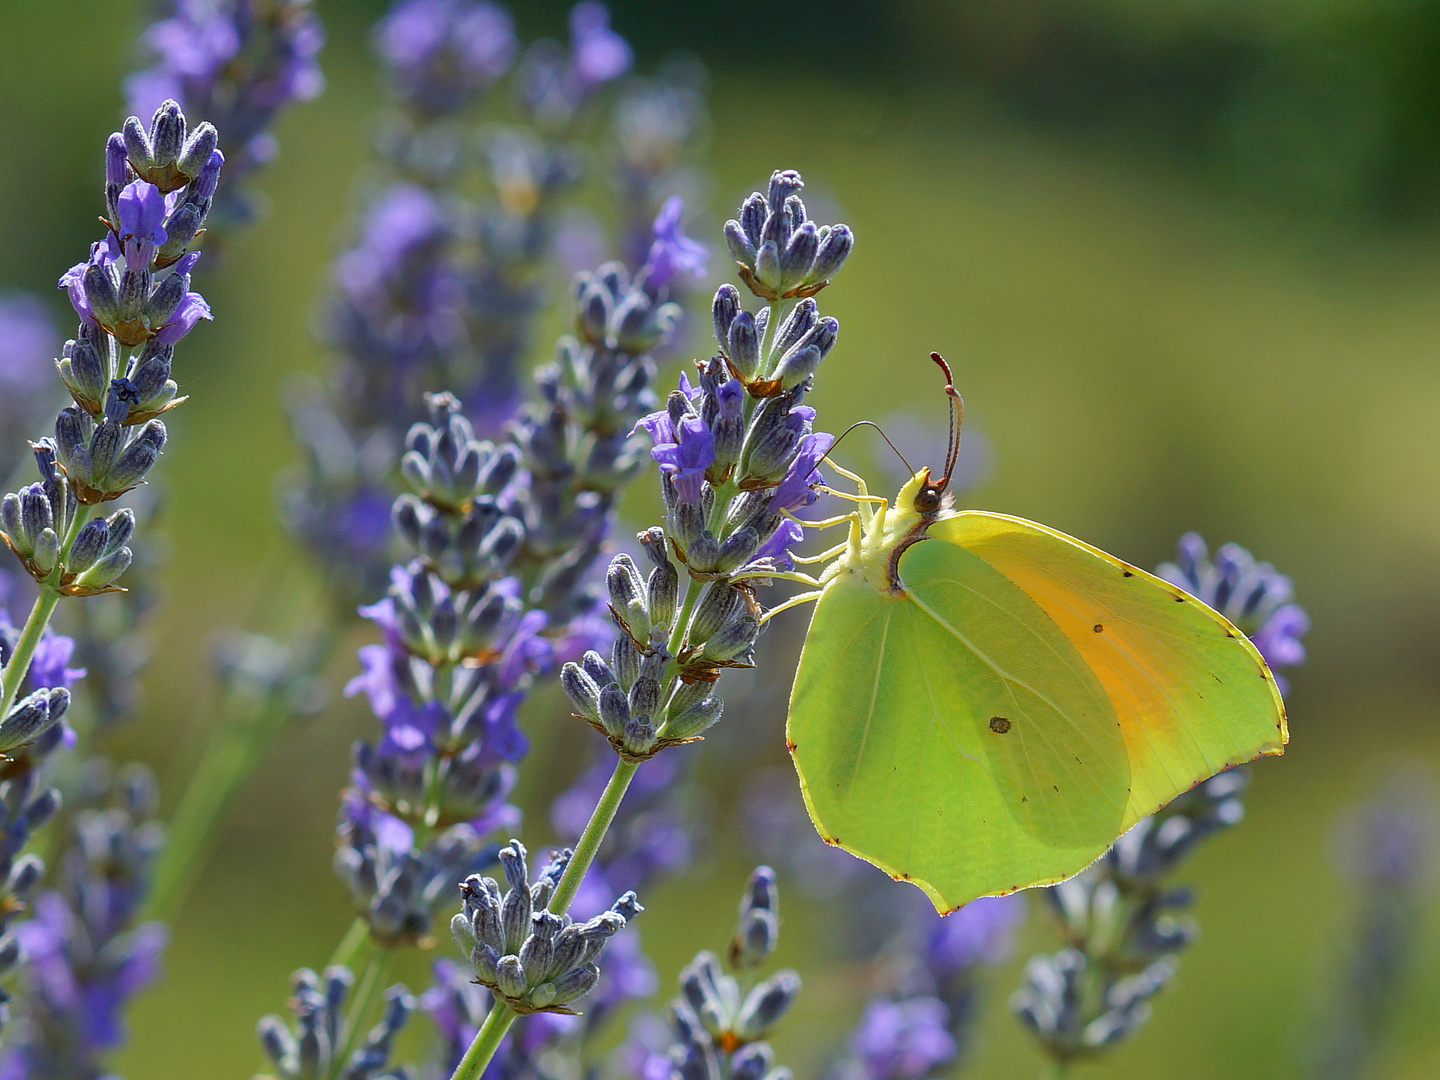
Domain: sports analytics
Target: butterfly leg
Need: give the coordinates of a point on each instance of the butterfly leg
(824, 556)
(794, 601)
(859, 481)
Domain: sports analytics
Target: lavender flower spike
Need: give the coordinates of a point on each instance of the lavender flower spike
(86, 953)
(237, 64)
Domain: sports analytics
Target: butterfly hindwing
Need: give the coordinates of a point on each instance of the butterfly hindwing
(951, 734)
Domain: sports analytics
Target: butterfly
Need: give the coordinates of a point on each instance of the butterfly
(985, 704)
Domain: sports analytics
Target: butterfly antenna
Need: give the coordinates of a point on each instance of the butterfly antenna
(877, 427)
(957, 417)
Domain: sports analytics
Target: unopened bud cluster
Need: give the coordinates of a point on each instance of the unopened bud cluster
(132, 293)
(719, 1030)
(780, 251)
(1123, 925)
(534, 959)
(578, 441)
(312, 1045)
(738, 456)
(631, 700)
(456, 627)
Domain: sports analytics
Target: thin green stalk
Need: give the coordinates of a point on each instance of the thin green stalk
(1057, 1070)
(498, 1021)
(354, 946)
(361, 999)
(231, 755)
(30, 634)
(594, 835)
(487, 1041)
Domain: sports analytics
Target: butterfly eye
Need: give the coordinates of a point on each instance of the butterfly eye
(928, 500)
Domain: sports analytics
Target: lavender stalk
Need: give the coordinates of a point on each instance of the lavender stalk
(238, 64)
(737, 455)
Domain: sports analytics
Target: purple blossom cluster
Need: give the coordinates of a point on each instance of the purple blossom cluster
(923, 1021)
(737, 455)
(28, 346)
(86, 952)
(441, 290)
(1253, 595)
(237, 64)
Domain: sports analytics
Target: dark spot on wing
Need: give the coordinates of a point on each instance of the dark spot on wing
(1024, 798)
(1099, 628)
(905, 876)
(1179, 599)
(1229, 634)
(1127, 573)
(1056, 787)
(790, 746)
(1000, 725)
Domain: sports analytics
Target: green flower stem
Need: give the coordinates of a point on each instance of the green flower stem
(487, 1041)
(361, 1000)
(234, 751)
(354, 946)
(30, 634)
(500, 1017)
(590, 840)
(39, 618)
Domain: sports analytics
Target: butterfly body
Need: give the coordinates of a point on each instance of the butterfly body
(984, 704)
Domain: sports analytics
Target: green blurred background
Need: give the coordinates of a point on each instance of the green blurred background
(1183, 256)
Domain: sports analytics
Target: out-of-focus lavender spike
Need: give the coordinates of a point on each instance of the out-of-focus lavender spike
(1389, 849)
(238, 64)
(87, 954)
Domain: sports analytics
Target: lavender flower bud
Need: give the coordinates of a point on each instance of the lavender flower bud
(576, 982)
(759, 923)
(720, 603)
(582, 690)
(31, 716)
(690, 721)
(625, 661)
(835, 246)
(766, 1004)
(734, 643)
(725, 308)
(753, 212)
(663, 594)
(741, 247)
(85, 374)
(614, 710)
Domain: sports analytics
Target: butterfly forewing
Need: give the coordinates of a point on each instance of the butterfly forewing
(1192, 694)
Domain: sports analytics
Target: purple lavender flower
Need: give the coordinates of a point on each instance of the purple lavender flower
(979, 933)
(597, 53)
(238, 64)
(86, 954)
(117, 290)
(673, 255)
(556, 84)
(1253, 595)
(902, 1040)
(442, 53)
(28, 346)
